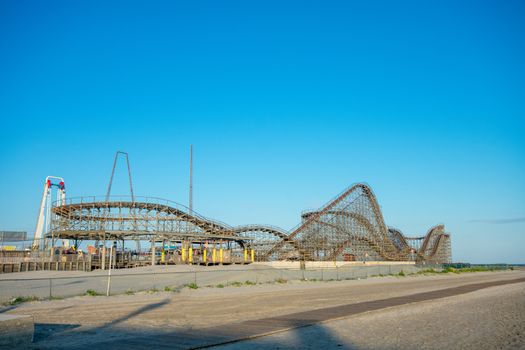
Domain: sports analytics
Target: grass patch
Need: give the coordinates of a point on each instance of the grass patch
(192, 285)
(401, 273)
(240, 284)
(458, 270)
(20, 300)
(92, 293)
(129, 292)
(220, 285)
(167, 289)
(281, 280)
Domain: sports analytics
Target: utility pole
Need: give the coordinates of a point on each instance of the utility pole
(191, 180)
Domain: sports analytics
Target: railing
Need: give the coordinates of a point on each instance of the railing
(25, 245)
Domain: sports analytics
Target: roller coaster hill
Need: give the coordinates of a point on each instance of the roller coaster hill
(350, 227)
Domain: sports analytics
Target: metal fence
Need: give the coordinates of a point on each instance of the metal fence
(62, 287)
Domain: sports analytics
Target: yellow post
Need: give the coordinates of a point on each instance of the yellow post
(245, 255)
(204, 255)
(184, 254)
(162, 256)
(213, 255)
(253, 255)
(220, 255)
(190, 255)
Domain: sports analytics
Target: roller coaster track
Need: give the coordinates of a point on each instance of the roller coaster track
(99, 216)
(369, 240)
(437, 245)
(275, 231)
(315, 217)
(388, 243)
(353, 216)
(372, 237)
(104, 215)
(429, 234)
(397, 234)
(436, 238)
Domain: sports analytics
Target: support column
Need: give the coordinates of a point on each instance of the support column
(163, 256)
(220, 254)
(183, 251)
(52, 250)
(103, 262)
(153, 251)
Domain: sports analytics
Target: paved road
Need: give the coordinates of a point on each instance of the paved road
(192, 318)
(43, 284)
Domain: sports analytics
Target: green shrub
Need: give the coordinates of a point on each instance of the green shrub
(220, 285)
(401, 273)
(192, 286)
(250, 283)
(129, 292)
(280, 280)
(427, 271)
(235, 284)
(92, 293)
(19, 300)
(167, 289)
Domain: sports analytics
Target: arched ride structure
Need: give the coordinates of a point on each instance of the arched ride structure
(142, 218)
(348, 227)
(120, 219)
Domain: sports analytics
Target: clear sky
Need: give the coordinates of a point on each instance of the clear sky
(286, 103)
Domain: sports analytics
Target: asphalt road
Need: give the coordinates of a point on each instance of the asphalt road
(46, 284)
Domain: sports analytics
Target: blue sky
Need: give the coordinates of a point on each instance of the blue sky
(286, 103)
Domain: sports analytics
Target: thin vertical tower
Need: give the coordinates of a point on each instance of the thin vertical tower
(191, 180)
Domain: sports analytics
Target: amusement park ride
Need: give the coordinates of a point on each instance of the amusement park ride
(349, 227)
(43, 222)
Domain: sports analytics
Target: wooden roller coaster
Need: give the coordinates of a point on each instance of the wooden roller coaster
(348, 227)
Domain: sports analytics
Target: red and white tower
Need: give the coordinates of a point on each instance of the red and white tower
(43, 222)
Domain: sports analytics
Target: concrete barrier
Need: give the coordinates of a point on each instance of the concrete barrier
(16, 331)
